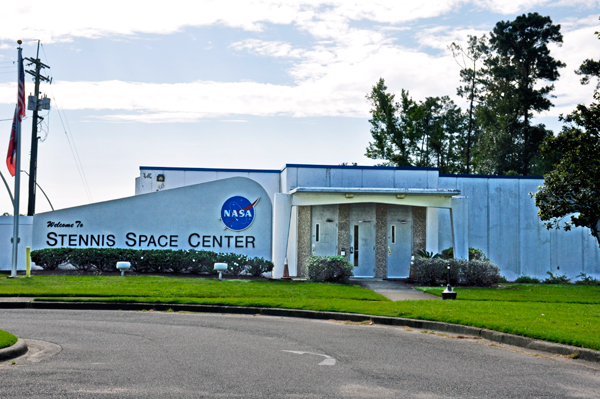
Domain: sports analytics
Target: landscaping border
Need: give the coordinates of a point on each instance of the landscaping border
(16, 350)
(504, 338)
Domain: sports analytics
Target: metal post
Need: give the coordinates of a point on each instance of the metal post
(34, 138)
(15, 244)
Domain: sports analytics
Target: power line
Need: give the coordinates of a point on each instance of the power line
(70, 139)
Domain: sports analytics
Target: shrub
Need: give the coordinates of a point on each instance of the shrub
(474, 254)
(433, 271)
(558, 279)
(333, 269)
(149, 260)
(587, 280)
(203, 261)
(236, 264)
(84, 259)
(462, 272)
(50, 258)
(479, 273)
(429, 255)
(527, 280)
(258, 266)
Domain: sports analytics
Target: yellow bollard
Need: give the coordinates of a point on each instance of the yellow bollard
(28, 260)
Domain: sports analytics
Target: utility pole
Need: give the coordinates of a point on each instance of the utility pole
(36, 104)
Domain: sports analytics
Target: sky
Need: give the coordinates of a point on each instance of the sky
(239, 84)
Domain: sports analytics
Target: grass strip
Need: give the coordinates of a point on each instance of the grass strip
(550, 293)
(165, 287)
(7, 339)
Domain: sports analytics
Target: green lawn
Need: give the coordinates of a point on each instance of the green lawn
(6, 339)
(526, 293)
(564, 314)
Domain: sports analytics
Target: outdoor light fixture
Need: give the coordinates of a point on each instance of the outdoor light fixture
(400, 196)
(448, 293)
(220, 267)
(123, 267)
(349, 195)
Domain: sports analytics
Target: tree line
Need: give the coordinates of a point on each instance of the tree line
(506, 77)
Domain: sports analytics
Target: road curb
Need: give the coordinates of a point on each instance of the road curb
(16, 350)
(500, 337)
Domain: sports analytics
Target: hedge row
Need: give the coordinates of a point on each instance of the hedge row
(149, 261)
(473, 273)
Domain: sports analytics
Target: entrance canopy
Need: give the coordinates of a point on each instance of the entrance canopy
(425, 197)
(430, 198)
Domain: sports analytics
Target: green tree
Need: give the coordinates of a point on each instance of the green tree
(437, 127)
(519, 62)
(573, 187)
(390, 141)
(590, 69)
(470, 59)
(408, 133)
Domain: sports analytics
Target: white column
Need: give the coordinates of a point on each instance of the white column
(282, 213)
(432, 236)
(459, 219)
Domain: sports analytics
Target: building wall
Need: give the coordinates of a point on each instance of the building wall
(303, 239)
(503, 222)
(381, 240)
(178, 177)
(6, 233)
(294, 176)
(419, 228)
(344, 229)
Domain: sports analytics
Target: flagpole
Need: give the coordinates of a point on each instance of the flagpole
(15, 243)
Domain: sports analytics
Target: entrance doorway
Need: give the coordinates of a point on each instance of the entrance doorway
(362, 239)
(324, 230)
(399, 241)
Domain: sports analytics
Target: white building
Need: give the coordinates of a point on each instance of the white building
(376, 217)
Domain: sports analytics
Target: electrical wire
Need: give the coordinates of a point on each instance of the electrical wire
(70, 139)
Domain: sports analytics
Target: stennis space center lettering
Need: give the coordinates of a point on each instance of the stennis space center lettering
(132, 239)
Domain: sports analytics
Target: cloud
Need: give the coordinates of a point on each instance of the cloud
(268, 49)
(60, 21)
(331, 74)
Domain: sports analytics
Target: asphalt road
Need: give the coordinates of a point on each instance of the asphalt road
(118, 354)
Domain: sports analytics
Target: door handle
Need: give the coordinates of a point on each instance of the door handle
(351, 250)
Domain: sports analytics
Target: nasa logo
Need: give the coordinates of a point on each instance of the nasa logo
(237, 213)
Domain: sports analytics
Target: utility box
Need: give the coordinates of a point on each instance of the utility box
(32, 103)
(42, 105)
(45, 104)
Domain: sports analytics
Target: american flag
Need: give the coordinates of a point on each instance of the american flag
(11, 156)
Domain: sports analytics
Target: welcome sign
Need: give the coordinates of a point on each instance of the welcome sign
(229, 215)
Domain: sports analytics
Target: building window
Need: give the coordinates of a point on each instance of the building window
(317, 231)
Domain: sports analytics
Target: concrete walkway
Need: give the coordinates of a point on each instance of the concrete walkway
(395, 290)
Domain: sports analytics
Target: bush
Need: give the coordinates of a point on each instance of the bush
(474, 254)
(149, 260)
(558, 279)
(429, 255)
(479, 273)
(587, 280)
(527, 280)
(434, 271)
(258, 266)
(332, 269)
(51, 258)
